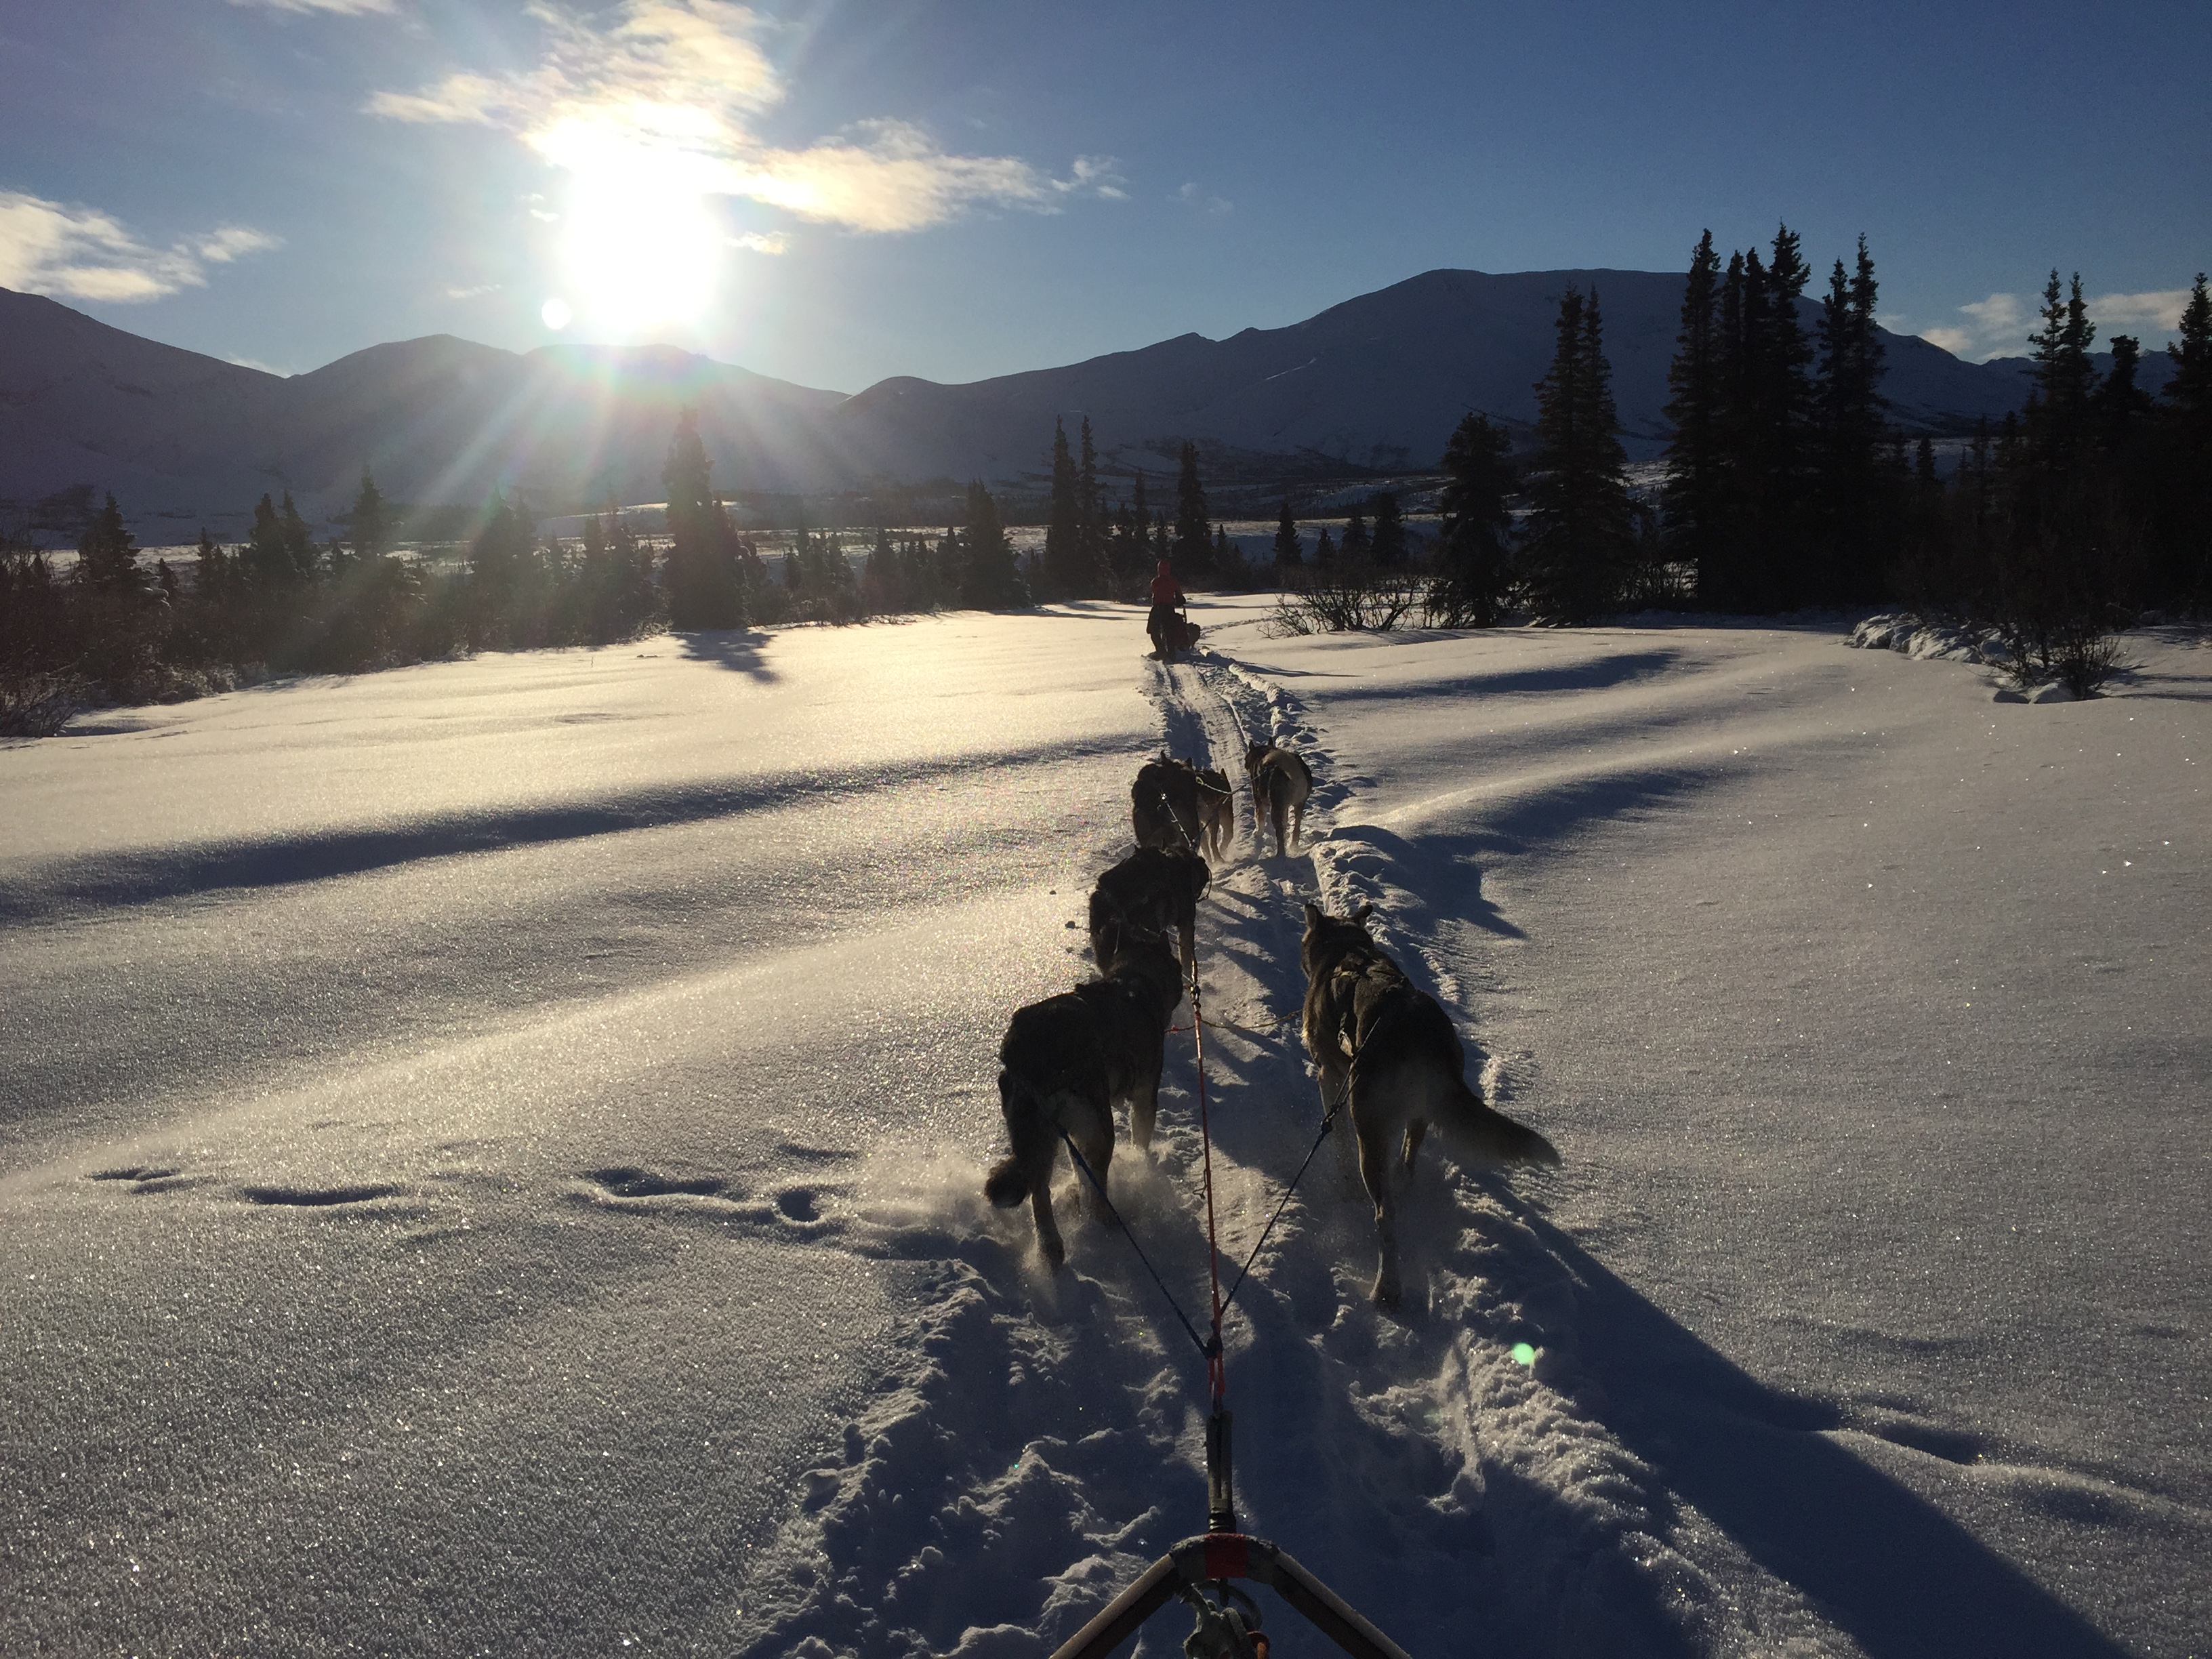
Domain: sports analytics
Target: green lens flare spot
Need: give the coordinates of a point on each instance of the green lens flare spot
(1523, 1354)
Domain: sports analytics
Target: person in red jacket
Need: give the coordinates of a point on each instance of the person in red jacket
(1166, 624)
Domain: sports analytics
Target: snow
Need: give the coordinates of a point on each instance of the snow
(492, 1152)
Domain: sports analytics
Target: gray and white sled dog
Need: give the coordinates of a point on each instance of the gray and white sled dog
(1148, 895)
(1387, 1050)
(1064, 1064)
(1282, 781)
(1163, 805)
(1217, 811)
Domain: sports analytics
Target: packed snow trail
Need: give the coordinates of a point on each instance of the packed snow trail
(493, 1153)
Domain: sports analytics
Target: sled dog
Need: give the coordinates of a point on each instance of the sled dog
(1148, 895)
(1282, 781)
(1163, 805)
(1217, 811)
(1064, 1064)
(1389, 1053)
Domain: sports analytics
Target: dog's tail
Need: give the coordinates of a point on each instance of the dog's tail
(1028, 1166)
(1477, 1133)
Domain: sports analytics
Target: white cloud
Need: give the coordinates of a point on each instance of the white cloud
(342, 7)
(1094, 175)
(772, 241)
(81, 254)
(1998, 315)
(2160, 309)
(1194, 195)
(1958, 342)
(669, 90)
(475, 293)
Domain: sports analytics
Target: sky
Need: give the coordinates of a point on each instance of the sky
(834, 193)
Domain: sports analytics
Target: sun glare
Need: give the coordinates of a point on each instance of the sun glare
(642, 248)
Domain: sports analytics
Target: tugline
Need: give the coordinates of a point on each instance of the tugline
(1203, 1570)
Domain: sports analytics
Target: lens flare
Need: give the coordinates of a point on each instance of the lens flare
(557, 314)
(1523, 1354)
(641, 247)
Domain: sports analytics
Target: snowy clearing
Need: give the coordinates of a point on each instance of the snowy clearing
(491, 1153)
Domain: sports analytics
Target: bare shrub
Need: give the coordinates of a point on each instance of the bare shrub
(1348, 598)
(36, 705)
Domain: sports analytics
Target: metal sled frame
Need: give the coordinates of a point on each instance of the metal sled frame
(1213, 1556)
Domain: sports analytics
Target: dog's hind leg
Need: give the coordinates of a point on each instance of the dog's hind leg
(1048, 1230)
(1374, 1170)
(1095, 1140)
(1145, 1104)
(1415, 1132)
(1027, 1171)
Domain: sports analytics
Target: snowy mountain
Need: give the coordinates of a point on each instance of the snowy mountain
(1377, 382)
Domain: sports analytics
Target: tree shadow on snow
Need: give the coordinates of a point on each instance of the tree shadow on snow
(735, 649)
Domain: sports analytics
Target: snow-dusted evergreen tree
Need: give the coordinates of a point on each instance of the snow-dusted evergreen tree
(1472, 573)
(1582, 522)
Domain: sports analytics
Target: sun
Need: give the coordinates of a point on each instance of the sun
(641, 247)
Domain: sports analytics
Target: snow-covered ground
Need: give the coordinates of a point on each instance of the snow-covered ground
(490, 1153)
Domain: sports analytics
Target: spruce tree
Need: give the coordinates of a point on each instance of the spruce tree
(372, 534)
(107, 555)
(1782, 575)
(1191, 550)
(703, 589)
(1356, 548)
(990, 581)
(1388, 547)
(2184, 570)
(1582, 520)
(1325, 550)
(298, 539)
(1693, 497)
(1472, 569)
(1091, 516)
(1289, 554)
(1848, 472)
(267, 561)
(1067, 573)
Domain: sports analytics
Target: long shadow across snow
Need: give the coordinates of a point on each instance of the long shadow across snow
(1902, 1577)
(1598, 673)
(139, 877)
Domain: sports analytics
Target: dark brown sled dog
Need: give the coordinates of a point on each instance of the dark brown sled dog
(1163, 805)
(1064, 1064)
(1389, 1053)
(1149, 894)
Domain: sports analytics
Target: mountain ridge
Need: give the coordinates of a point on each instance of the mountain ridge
(1375, 382)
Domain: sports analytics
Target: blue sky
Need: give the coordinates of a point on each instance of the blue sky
(836, 192)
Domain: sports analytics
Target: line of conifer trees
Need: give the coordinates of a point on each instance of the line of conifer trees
(1785, 484)
(115, 629)
(1094, 550)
